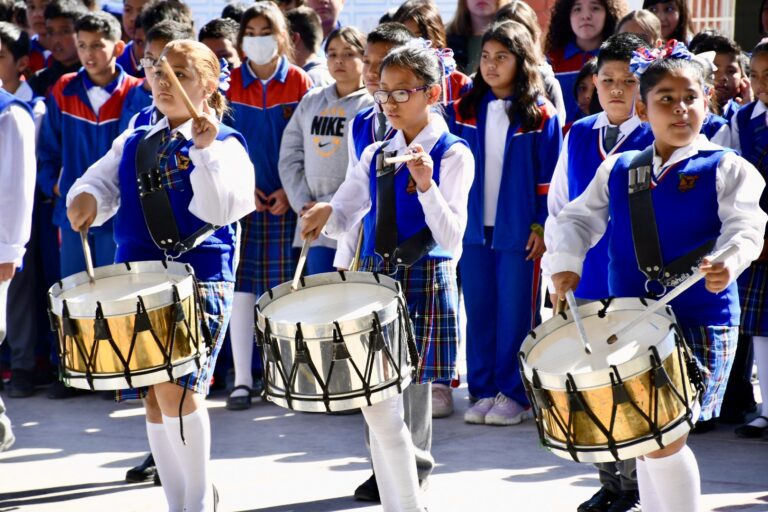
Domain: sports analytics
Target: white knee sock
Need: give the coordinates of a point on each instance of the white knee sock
(676, 481)
(760, 344)
(241, 332)
(648, 498)
(393, 456)
(167, 465)
(193, 458)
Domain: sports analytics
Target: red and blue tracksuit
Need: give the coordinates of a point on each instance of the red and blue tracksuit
(566, 62)
(39, 57)
(501, 288)
(136, 100)
(72, 137)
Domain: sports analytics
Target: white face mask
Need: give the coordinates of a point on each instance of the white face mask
(261, 49)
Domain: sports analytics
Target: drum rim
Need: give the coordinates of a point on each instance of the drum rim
(602, 377)
(282, 329)
(116, 308)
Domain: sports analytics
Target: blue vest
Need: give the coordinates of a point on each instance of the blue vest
(712, 123)
(585, 155)
(753, 138)
(410, 214)
(686, 218)
(213, 260)
(364, 130)
(7, 99)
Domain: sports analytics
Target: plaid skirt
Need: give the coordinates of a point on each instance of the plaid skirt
(753, 292)
(714, 347)
(217, 306)
(432, 296)
(267, 256)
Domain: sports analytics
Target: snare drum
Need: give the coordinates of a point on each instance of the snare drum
(342, 340)
(138, 324)
(625, 399)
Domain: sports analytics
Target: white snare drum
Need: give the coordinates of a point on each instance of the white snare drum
(138, 324)
(623, 400)
(339, 342)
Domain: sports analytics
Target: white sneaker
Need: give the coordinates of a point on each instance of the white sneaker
(506, 411)
(476, 414)
(6, 434)
(442, 401)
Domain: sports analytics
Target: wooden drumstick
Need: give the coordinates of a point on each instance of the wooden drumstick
(168, 70)
(678, 290)
(401, 159)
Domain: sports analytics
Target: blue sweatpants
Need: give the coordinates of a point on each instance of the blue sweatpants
(501, 297)
(102, 244)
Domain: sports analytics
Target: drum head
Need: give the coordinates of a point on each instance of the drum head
(126, 286)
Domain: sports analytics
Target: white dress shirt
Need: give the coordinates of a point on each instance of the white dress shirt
(445, 206)
(223, 180)
(760, 110)
(496, 127)
(582, 222)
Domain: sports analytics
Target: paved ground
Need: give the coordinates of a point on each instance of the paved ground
(72, 455)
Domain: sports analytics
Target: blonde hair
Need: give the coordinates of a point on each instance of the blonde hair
(207, 68)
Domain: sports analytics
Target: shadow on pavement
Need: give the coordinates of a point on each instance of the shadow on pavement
(74, 492)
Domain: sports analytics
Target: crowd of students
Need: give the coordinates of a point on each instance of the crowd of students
(515, 139)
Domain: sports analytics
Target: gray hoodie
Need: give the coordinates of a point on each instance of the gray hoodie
(313, 152)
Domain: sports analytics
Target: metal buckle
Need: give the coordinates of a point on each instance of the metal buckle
(649, 282)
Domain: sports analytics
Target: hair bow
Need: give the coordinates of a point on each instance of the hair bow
(224, 76)
(444, 55)
(643, 58)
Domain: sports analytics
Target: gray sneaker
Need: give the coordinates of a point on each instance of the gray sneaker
(477, 413)
(506, 411)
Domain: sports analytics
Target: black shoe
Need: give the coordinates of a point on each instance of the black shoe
(368, 491)
(599, 502)
(628, 501)
(702, 427)
(21, 385)
(156, 481)
(241, 402)
(257, 390)
(752, 431)
(58, 390)
(143, 472)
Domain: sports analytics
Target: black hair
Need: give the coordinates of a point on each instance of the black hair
(422, 62)
(160, 10)
(14, 39)
(388, 16)
(660, 68)
(427, 17)
(220, 28)
(70, 9)
(762, 47)
(712, 40)
(392, 33)
(6, 10)
(100, 23)
(587, 70)
(234, 11)
(19, 14)
(349, 35)
(306, 22)
(168, 31)
(527, 87)
(560, 30)
(620, 47)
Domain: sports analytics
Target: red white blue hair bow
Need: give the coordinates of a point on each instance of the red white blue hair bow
(644, 57)
(444, 55)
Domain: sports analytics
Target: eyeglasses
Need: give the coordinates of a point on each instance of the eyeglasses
(399, 95)
(147, 63)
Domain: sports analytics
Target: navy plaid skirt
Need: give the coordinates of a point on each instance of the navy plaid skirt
(753, 292)
(217, 307)
(432, 296)
(714, 347)
(267, 256)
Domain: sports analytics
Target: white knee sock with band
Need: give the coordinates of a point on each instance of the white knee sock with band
(167, 465)
(676, 481)
(241, 331)
(193, 457)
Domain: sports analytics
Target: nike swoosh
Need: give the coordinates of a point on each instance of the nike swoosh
(323, 144)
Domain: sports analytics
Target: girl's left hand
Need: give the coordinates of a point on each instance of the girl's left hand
(716, 277)
(421, 168)
(535, 247)
(206, 128)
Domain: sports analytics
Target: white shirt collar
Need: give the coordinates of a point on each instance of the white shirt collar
(759, 109)
(24, 92)
(427, 137)
(700, 143)
(625, 128)
(185, 128)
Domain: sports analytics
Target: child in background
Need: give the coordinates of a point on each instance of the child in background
(14, 60)
(216, 185)
(307, 36)
(515, 135)
(584, 91)
(423, 19)
(153, 13)
(643, 23)
(220, 35)
(129, 60)
(749, 135)
(313, 152)
(60, 19)
(39, 55)
(466, 29)
(577, 30)
(264, 92)
(675, 18)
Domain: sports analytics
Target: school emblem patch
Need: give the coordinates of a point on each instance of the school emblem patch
(182, 162)
(287, 112)
(687, 182)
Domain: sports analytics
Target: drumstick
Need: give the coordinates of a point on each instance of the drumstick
(679, 289)
(400, 159)
(87, 254)
(300, 266)
(168, 70)
(577, 320)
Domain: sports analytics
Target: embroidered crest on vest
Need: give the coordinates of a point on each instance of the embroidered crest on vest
(687, 182)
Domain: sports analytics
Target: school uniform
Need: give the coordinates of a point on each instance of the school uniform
(261, 111)
(79, 126)
(136, 100)
(513, 169)
(566, 62)
(715, 128)
(730, 108)
(586, 146)
(39, 57)
(128, 61)
(43, 81)
(695, 176)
